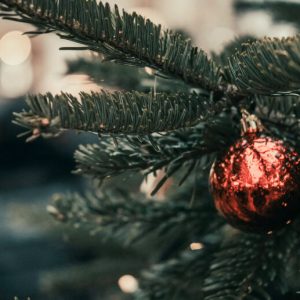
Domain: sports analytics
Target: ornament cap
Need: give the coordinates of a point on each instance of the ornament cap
(250, 123)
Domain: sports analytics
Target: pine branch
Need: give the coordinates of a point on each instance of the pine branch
(188, 150)
(127, 39)
(176, 279)
(281, 114)
(170, 152)
(237, 45)
(123, 77)
(233, 267)
(109, 74)
(117, 214)
(284, 108)
(266, 66)
(114, 113)
(248, 265)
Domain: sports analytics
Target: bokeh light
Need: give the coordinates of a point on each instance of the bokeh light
(15, 80)
(196, 246)
(128, 284)
(15, 48)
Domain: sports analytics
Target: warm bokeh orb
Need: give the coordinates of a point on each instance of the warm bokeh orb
(15, 48)
(128, 284)
(256, 183)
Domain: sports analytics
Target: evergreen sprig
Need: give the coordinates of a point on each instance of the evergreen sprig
(183, 277)
(266, 66)
(114, 113)
(237, 45)
(265, 72)
(111, 75)
(118, 214)
(126, 38)
(123, 77)
(187, 150)
(281, 115)
(246, 266)
(171, 152)
(282, 108)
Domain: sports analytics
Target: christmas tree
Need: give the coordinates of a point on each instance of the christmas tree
(184, 136)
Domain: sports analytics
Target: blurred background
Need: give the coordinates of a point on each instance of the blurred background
(38, 257)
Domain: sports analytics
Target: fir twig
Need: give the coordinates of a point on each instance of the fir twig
(123, 77)
(114, 113)
(237, 45)
(177, 279)
(281, 114)
(115, 213)
(170, 152)
(181, 150)
(266, 66)
(127, 38)
(248, 265)
(283, 108)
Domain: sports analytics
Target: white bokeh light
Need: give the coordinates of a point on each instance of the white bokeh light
(219, 36)
(264, 25)
(128, 284)
(15, 48)
(15, 80)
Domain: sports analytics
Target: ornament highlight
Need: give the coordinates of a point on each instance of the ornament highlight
(256, 182)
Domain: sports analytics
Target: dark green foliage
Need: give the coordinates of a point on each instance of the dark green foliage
(114, 113)
(266, 66)
(281, 114)
(133, 40)
(170, 152)
(183, 277)
(237, 45)
(127, 38)
(279, 107)
(196, 111)
(186, 150)
(242, 267)
(124, 77)
(242, 253)
(108, 74)
(250, 266)
(119, 214)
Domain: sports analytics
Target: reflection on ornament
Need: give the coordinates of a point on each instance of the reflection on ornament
(15, 48)
(128, 284)
(256, 182)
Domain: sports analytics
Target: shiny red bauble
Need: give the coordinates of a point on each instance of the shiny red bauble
(256, 183)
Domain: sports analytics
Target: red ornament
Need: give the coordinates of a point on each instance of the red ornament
(256, 183)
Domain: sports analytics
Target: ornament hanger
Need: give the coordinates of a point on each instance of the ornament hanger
(250, 123)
